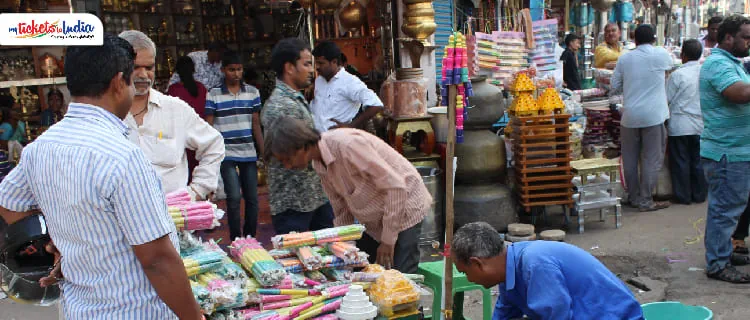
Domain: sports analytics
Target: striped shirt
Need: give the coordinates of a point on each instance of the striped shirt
(726, 129)
(233, 117)
(366, 179)
(100, 196)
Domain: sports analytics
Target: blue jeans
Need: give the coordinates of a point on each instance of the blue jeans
(296, 221)
(238, 187)
(728, 190)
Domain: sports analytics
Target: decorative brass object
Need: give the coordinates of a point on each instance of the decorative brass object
(328, 4)
(353, 16)
(421, 12)
(419, 19)
(49, 65)
(419, 30)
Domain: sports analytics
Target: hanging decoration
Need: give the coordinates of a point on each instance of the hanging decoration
(456, 72)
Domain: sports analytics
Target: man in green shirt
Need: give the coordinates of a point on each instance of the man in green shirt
(725, 145)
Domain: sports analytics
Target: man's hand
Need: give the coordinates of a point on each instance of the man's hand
(385, 256)
(340, 124)
(56, 274)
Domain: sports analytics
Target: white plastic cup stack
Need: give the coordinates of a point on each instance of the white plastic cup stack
(356, 305)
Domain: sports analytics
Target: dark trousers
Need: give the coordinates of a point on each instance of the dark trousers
(743, 225)
(688, 181)
(297, 221)
(405, 252)
(239, 187)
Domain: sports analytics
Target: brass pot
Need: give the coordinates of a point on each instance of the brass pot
(420, 13)
(328, 4)
(420, 30)
(418, 20)
(417, 6)
(353, 15)
(408, 2)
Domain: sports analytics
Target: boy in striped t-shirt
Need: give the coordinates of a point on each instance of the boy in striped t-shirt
(233, 110)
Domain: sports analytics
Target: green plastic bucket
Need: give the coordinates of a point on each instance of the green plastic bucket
(672, 310)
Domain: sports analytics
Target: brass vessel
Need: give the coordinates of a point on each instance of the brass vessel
(353, 16)
(328, 4)
(419, 19)
(419, 31)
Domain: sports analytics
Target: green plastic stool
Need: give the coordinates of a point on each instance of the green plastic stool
(433, 278)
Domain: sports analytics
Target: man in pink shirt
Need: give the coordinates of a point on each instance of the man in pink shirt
(365, 179)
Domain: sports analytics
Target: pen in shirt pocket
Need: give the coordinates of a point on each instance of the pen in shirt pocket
(160, 134)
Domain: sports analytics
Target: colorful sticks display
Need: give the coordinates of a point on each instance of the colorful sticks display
(195, 216)
(347, 251)
(255, 259)
(310, 259)
(179, 197)
(201, 262)
(295, 240)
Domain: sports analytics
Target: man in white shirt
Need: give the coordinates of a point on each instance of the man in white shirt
(685, 126)
(207, 66)
(338, 94)
(711, 39)
(163, 127)
(640, 74)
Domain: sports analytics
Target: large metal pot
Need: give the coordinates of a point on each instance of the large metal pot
(481, 158)
(353, 15)
(491, 203)
(486, 105)
(328, 4)
(433, 225)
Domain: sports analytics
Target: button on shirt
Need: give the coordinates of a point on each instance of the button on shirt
(726, 124)
(207, 73)
(554, 280)
(684, 101)
(297, 190)
(100, 196)
(233, 117)
(340, 99)
(640, 74)
(169, 127)
(366, 179)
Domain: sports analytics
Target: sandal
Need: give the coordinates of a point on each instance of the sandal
(739, 246)
(739, 260)
(730, 274)
(657, 205)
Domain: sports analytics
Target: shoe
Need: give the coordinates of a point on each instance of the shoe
(730, 274)
(657, 205)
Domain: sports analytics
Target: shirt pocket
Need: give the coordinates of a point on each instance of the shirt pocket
(161, 152)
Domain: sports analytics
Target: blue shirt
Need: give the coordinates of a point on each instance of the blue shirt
(100, 196)
(233, 117)
(554, 280)
(6, 131)
(640, 74)
(726, 125)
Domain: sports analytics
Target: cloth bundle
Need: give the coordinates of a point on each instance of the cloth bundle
(295, 240)
(255, 259)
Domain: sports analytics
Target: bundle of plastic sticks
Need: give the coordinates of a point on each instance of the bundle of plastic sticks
(295, 240)
(309, 258)
(201, 262)
(179, 197)
(255, 259)
(195, 216)
(223, 293)
(347, 251)
(292, 265)
(336, 262)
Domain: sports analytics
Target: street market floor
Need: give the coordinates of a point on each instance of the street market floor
(642, 247)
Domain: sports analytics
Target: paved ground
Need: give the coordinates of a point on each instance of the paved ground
(640, 248)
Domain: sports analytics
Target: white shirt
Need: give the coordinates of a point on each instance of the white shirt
(207, 73)
(640, 74)
(169, 127)
(340, 99)
(683, 95)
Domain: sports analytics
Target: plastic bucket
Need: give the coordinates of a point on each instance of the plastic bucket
(675, 310)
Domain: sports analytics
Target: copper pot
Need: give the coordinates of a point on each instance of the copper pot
(419, 30)
(353, 15)
(423, 5)
(408, 2)
(328, 4)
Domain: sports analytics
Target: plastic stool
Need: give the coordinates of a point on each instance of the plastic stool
(433, 278)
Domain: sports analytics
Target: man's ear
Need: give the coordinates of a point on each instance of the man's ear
(476, 262)
(117, 83)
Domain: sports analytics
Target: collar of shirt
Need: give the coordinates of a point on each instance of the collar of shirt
(287, 90)
(244, 87)
(725, 53)
(689, 63)
(510, 268)
(154, 98)
(325, 153)
(88, 111)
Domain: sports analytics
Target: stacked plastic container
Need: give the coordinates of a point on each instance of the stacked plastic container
(356, 305)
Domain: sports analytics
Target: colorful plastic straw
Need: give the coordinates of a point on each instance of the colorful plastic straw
(295, 240)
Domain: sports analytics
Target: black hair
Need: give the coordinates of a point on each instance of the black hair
(715, 20)
(328, 50)
(6, 101)
(55, 92)
(90, 69)
(644, 34)
(570, 38)
(692, 49)
(286, 51)
(217, 46)
(5, 113)
(730, 26)
(230, 57)
(185, 68)
(344, 60)
(249, 75)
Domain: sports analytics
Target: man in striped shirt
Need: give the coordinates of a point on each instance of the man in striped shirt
(101, 199)
(365, 179)
(233, 109)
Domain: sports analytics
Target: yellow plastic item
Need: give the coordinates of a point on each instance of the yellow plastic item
(393, 292)
(525, 104)
(522, 83)
(550, 101)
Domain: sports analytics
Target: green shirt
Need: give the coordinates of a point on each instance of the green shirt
(298, 190)
(726, 125)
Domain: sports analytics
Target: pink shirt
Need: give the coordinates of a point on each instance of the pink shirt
(367, 180)
(198, 103)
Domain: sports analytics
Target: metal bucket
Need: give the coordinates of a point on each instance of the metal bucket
(433, 224)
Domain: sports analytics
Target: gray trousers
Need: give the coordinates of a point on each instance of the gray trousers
(647, 146)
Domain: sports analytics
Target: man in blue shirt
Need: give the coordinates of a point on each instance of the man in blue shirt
(725, 147)
(541, 279)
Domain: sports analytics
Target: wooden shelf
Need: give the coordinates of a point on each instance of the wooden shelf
(32, 82)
